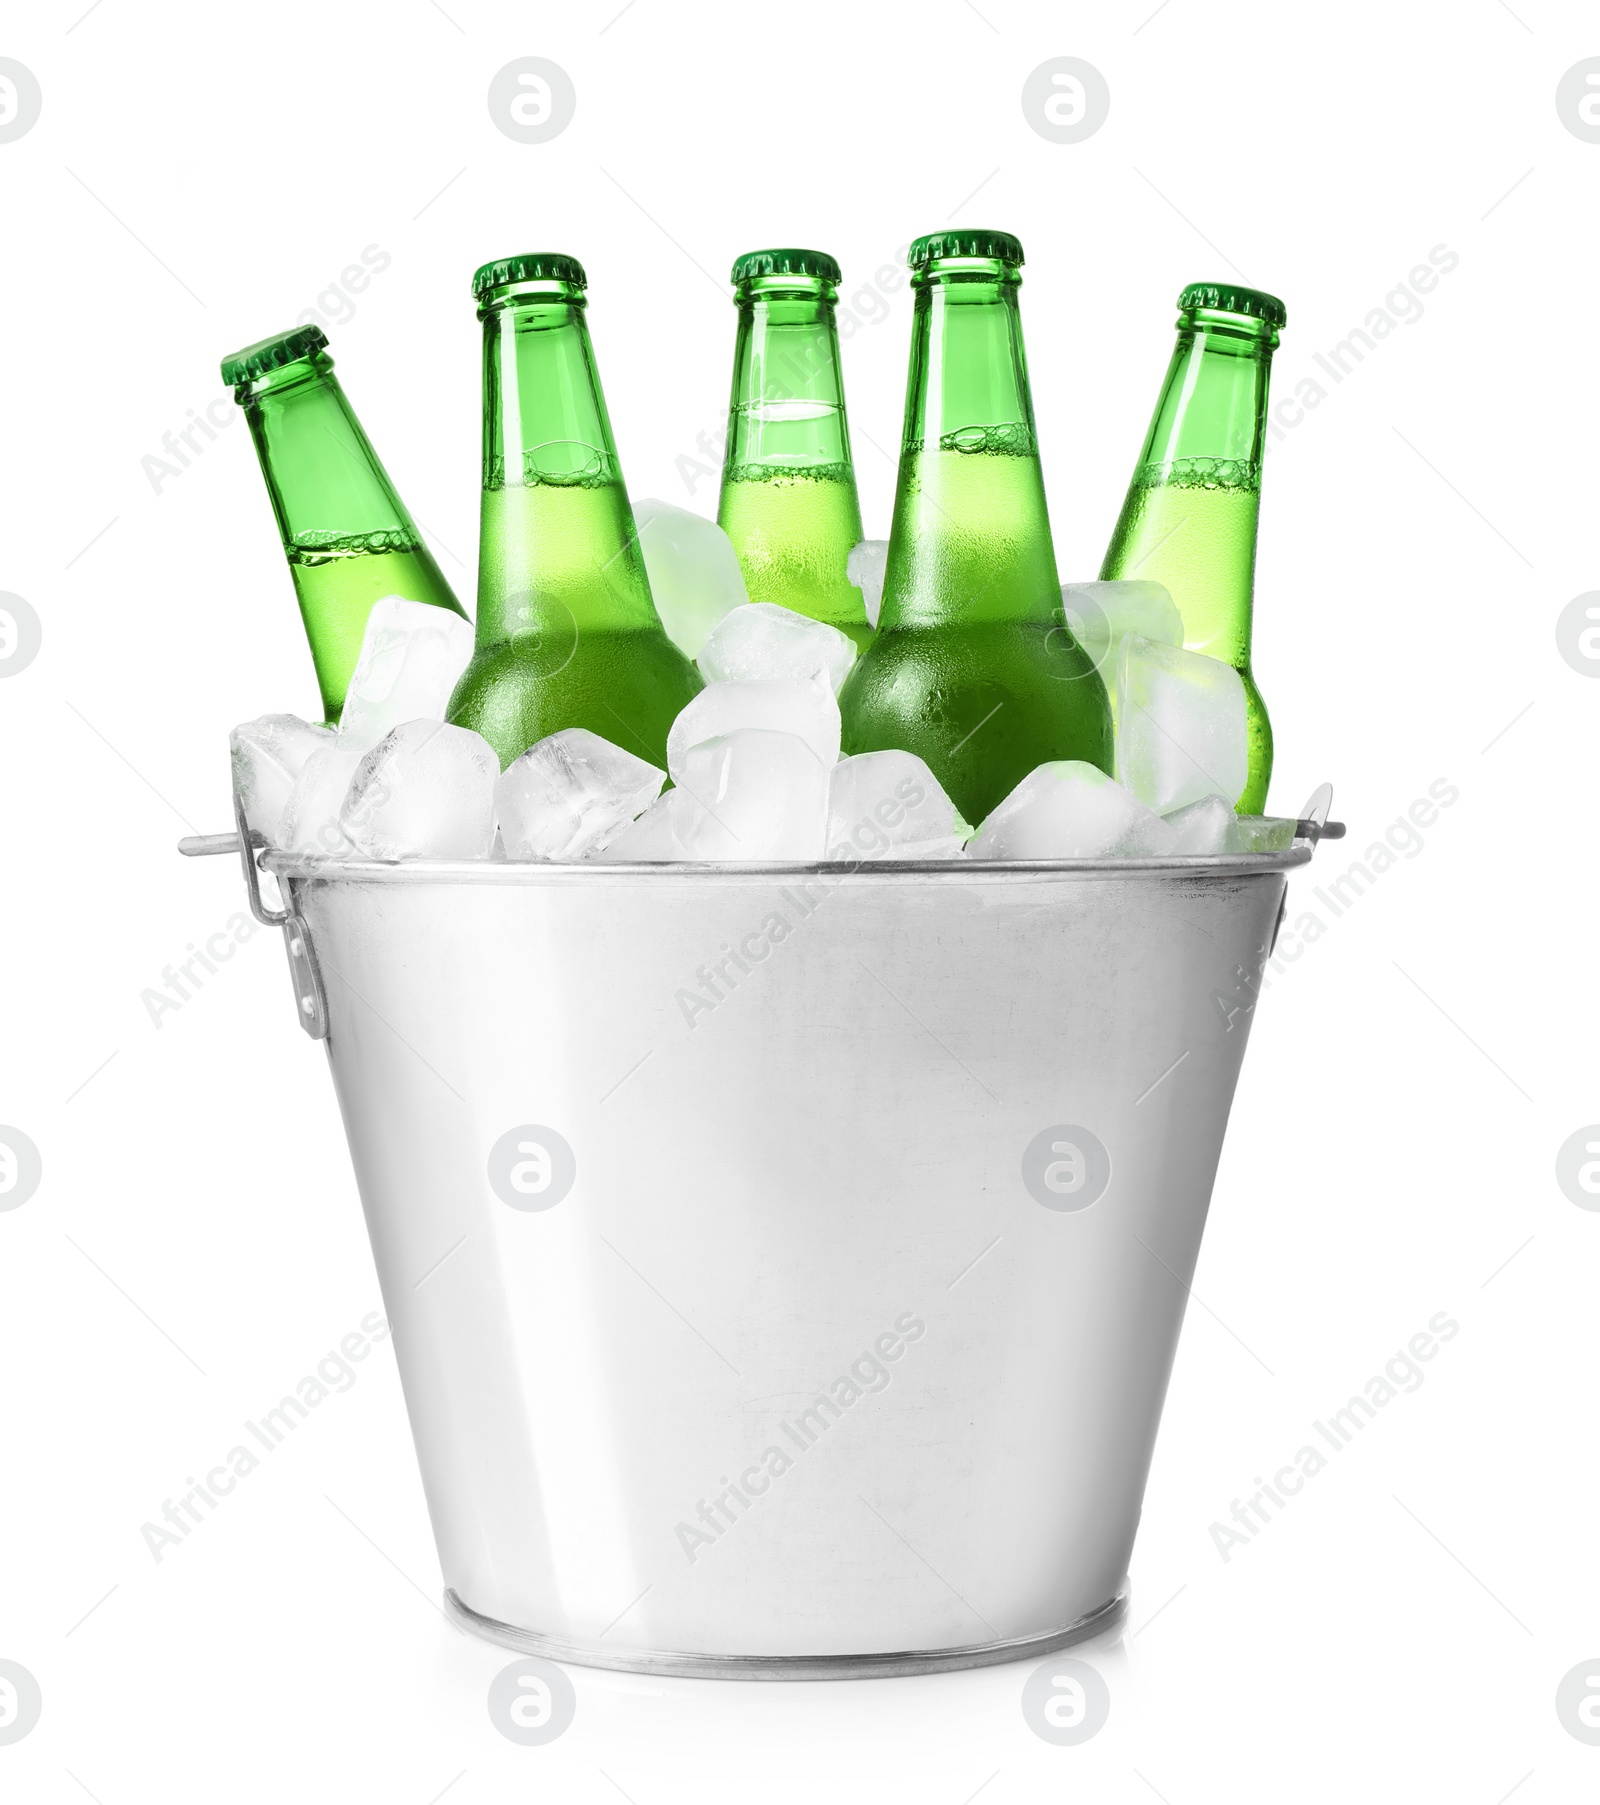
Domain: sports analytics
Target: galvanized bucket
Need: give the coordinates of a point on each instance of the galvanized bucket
(785, 1264)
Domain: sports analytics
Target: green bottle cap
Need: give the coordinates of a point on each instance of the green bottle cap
(272, 354)
(971, 243)
(531, 266)
(1229, 297)
(785, 263)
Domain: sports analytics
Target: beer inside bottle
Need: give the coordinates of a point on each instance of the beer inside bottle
(345, 532)
(788, 498)
(1190, 516)
(973, 667)
(567, 632)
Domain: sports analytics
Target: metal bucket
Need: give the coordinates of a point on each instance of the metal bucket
(785, 1265)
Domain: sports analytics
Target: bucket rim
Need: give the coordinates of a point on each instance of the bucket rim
(307, 867)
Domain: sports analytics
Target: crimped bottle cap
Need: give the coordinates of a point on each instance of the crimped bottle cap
(272, 354)
(531, 266)
(969, 243)
(1230, 297)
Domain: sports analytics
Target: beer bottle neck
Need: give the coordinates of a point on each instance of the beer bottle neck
(786, 412)
(1189, 518)
(544, 417)
(970, 543)
(967, 388)
(1210, 420)
(558, 549)
(327, 486)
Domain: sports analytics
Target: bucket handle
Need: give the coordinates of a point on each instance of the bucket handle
(311, 1005)
(1313, 825)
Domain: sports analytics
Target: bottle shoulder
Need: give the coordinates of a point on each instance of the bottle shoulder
(1027, 658)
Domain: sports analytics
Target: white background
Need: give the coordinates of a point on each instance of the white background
(198, 178)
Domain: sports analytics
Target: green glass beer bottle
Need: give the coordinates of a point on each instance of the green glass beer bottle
(788, 485)
(567, 632)
(1190, 516)
(973, 667)
(345, 532)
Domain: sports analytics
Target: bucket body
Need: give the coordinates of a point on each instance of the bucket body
(785, 1268)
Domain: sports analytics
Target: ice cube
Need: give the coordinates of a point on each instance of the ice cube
(755, 795)
(1181, 730)
(1070, 810)
(412, 654)
(1263, 833)
(693, 569)
(569, 793)
(653, 837)
(425, 791)
(1102, 615)
(889, 805)
(865, 567)
(311, 815)
(268, 755)
(763, 640)
(1206, 826)
(777, 705)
